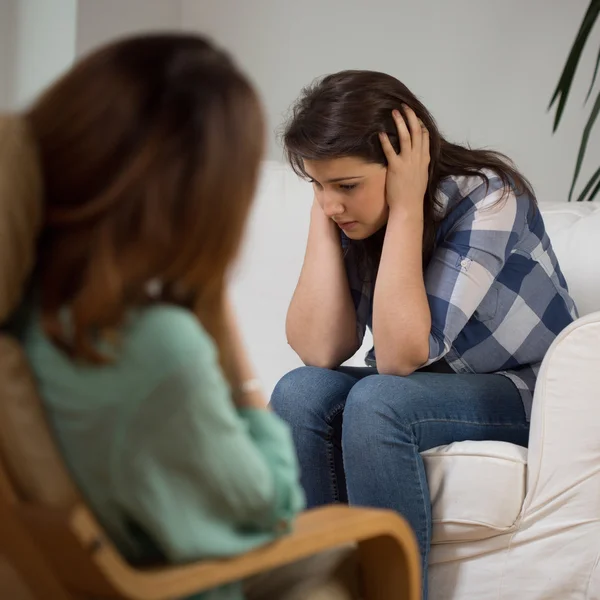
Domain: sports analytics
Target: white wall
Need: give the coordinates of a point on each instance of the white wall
(39, 39)
(37, 43)
(7, 52)
(485, 69)
(44, 45)
(100, 21)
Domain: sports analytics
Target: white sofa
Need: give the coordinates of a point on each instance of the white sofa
(510, 523)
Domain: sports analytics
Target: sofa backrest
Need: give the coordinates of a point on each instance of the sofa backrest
(574, 229)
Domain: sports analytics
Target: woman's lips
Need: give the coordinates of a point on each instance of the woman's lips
(348, 225)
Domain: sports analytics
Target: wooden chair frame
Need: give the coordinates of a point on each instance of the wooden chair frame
(63, 554)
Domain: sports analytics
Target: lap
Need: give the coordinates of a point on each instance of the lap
(440, 408)
(426, 395)
(459, 406)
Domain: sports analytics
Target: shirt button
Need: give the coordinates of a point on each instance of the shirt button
(464, 263)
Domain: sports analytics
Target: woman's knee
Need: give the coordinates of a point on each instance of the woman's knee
(309, 392)
(379, 402)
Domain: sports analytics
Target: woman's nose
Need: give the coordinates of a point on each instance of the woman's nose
(331, 204)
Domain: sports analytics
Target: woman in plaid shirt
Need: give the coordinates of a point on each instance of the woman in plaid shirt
(440, 250)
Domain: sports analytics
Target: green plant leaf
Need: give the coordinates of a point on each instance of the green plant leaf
(561, 93)
(595, 177)
(584, 142)
(594, 76)
(594, 192)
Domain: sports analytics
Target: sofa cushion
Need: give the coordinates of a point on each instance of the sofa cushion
(477, 489)
(573, 229)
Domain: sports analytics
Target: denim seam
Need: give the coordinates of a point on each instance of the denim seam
(417, 456)
(424, 551)
(335, 488)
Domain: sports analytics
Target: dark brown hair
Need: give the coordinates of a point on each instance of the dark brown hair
(342, 114)
(150, 149)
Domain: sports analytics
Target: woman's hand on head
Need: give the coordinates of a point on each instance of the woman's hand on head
(408, 171)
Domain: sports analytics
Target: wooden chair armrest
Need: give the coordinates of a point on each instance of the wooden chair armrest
(88, 564)
(387, 548)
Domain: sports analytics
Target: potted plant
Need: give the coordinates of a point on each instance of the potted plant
(592, 187)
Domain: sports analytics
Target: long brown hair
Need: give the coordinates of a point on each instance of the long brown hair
(150, 149)
(342, 115)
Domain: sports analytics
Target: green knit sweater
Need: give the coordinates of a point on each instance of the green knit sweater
(153, 440)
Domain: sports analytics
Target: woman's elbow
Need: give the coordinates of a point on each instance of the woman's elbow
(401, 364)
(325, 360)
(321, 363)
(396, 368)
(323, 357)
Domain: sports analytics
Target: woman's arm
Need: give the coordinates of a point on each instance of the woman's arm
(321, 319)
(413, 327)
(467, 263)
(202, 475)
(401, 316)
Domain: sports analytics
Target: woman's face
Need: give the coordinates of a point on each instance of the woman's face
(351, 192)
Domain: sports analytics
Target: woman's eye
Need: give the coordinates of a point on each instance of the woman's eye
(347, 187)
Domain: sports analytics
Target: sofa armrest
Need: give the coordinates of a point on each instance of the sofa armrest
(564, 442)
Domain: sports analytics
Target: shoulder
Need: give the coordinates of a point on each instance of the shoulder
(155, 345)
(456, 190)
(157, 338)
(164, 337)
(466, 199)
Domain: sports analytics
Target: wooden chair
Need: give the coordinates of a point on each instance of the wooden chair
(47, 533)
(53, 540)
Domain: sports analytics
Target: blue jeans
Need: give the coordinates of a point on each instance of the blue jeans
(359, 434)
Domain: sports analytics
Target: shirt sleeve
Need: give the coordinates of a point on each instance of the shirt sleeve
(201, 478)
(466, 263)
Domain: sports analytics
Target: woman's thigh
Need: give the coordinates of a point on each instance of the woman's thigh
(438, 408)
(310, 394)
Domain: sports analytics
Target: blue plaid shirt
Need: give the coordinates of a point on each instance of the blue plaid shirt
(496, 293)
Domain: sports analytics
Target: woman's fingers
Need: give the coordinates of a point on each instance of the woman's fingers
(425, 147)
(412, 134)
(403, 132)
(388, 149)
(416, 133)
